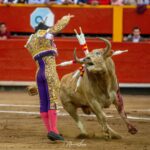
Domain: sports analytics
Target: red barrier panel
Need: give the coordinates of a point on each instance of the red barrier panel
(16, 63)
(93, 20)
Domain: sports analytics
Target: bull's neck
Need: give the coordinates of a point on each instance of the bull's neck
(99, 81)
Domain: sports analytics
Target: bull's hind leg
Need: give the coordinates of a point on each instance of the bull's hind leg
(108, 132)
(120, 107)
(72, 110)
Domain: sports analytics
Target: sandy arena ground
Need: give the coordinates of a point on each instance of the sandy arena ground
(21, 127)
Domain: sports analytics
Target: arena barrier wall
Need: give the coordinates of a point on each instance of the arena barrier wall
(115, 20)
(17, 66)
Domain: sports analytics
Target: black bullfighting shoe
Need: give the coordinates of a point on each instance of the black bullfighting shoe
(54, 136)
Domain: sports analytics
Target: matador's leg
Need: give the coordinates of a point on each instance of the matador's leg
(44, 99)
(53, 111)
(50, 74)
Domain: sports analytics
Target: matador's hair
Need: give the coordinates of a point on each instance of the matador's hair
(41, 26)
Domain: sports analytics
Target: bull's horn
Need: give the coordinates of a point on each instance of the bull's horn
(108, 45)
(76, 58)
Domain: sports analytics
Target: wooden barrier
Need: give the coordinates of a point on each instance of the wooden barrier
(92, 19)
(16, 64)
(115, 20)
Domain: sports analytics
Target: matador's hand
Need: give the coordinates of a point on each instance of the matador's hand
(68, 16)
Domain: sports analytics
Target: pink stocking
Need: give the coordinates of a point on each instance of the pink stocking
(52, 115)
(44, 116)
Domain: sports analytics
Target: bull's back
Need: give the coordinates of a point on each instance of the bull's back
(65, 82)
(65, 78)
(67, 86)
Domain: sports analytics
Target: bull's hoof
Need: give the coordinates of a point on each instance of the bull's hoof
(132, 130)
(112, 135)
(82, 136)
(116, 136)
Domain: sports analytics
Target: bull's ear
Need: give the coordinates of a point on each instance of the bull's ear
(109, 54)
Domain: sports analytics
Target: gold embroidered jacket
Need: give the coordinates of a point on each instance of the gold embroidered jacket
(38, 43)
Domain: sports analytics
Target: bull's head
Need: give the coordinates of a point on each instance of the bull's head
(95, 60)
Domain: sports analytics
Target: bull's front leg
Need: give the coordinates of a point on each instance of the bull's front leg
(72, 110)
(97, 109)
(120, 107)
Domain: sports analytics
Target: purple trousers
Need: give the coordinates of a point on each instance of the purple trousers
(43, 88)
(42, 82)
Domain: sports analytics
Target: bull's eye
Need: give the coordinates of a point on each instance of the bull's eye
(98, 53)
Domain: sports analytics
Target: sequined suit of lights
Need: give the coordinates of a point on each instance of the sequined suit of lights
(43, 50)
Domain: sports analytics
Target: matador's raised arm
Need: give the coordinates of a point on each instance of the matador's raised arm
(61, 24)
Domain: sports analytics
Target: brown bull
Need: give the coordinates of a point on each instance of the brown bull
(98, 89)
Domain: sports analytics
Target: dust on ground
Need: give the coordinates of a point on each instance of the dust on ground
(26, 131)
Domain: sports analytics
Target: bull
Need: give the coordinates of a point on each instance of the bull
(98, 89)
